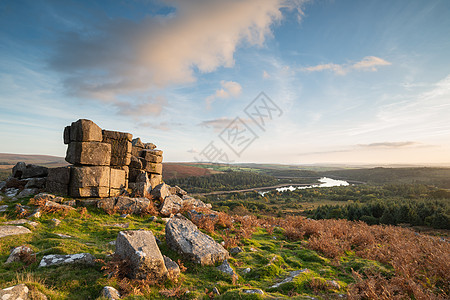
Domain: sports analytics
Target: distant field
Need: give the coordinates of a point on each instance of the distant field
(178, 170)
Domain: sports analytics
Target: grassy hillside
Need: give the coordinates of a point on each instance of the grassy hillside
(338, 258)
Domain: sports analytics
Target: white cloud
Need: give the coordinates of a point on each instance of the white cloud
(230, 89)
(122, 56)
(368, 63)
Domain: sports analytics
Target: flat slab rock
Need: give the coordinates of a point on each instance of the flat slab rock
(123, 203)
(17, 292)
(184, 237)
(21, 222)
(13, 230)
(59, 259)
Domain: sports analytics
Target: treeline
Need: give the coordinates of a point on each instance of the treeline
(439, 177)
(391, 211)
(233, 180)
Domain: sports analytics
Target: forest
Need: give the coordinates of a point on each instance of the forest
(393, 204)
(232, 180)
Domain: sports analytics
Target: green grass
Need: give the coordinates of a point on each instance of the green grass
(269, 256)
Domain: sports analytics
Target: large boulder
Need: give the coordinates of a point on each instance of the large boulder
(16, 292)
(140, 248)
(38, 183)
(120, 147)
(160, 192)
(155, 180)
(124, 204)
(83, 131)
(155, 168)
(13, 230)
(185, 238)
(172, 205)
(117, 182)
(141, 187)
(28, 192)
(90, 181)
(23, 170)
(89, 153)
(18, 169)
(60, 259)
(150, 156)
(58, 180)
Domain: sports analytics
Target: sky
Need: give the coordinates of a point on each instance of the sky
(268, 81)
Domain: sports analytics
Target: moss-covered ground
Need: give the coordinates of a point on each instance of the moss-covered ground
(270, 258)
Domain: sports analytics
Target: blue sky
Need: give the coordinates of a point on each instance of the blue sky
(352, 81)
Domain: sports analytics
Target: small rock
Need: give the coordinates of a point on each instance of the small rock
(17, 252)
(64, 236)
(3, 208)
(253, 249)
(110, 293)
(227, 269)
(152, 218)
(56, 222)
(236, 250)
(124, 216)
(291, 277)
(2, 185)
(13, 230)
(11, 192)
(27, 192)
(36, 214)
(59, 259)
(16, 292)
(333, 284)
(112, 243)
(246, 270)
(172, 267)
(253, 291)
(216, 291)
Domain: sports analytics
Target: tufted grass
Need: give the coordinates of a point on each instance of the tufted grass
(267, 252)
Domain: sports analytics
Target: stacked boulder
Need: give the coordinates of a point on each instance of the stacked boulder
(104, 163)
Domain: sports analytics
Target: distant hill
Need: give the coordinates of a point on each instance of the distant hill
(181, 170)
(43, 160)
(439, 177)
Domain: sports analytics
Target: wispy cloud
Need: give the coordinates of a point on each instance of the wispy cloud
(220, 123)
(230, 89)
(390, 145)
(368, 63)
